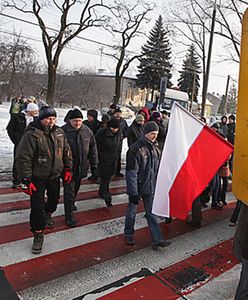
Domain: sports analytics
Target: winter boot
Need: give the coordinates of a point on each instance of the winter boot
(48, 219)
(37, 242)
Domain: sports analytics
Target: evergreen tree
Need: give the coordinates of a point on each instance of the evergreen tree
(189, 76)
(232, 99)
(155, 60)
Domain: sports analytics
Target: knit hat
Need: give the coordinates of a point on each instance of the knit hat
(114, 123)
(105, 118)
(156, 116)
(32, 107)
(139, 118)
(93, 113)
(118, 110)
(150, 126)
(46, 112)
(76, 114)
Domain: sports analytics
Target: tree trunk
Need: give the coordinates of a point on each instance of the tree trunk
(117, 89)
(51, 85)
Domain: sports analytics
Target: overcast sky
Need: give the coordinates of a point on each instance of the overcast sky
(81, 53)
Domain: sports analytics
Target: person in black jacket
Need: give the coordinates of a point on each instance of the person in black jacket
(135, 131)
(156, 117)
(108, 144)
(84, 153)
(92, 121)
(124, 130)
(141, 175)
(15, 130)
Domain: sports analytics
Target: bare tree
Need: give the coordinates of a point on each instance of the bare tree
(17, 65)
(125, 26)
(55, 40)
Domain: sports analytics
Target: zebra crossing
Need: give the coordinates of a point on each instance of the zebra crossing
(91, 261)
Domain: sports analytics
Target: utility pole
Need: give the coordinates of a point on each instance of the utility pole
(205, 87)
(226, 93)
(193, 92)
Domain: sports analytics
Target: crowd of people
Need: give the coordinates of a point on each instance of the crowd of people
(44, 153)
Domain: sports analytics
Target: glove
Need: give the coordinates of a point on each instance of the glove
(134, 199)
(28, 187)
(67, 176)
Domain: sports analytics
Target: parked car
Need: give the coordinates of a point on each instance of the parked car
(127, 113)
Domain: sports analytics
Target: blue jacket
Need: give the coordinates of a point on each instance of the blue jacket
(142, 167)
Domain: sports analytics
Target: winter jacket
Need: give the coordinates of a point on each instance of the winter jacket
(134, 132)
(94, 126)
(142, 167)
(42, 152)
(108, 146)
(16, 127)
(231, 132)
(83, 147)
(241, 235)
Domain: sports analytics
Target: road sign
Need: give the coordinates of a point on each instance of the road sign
(240, 173)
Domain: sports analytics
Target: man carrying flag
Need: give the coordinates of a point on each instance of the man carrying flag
(189, 162)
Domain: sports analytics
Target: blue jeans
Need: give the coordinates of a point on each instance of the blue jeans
(153, 225)
(242, 290)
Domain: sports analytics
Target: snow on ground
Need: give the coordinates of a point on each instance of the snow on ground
(6, 146)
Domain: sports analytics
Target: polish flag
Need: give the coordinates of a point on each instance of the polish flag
(192, 155)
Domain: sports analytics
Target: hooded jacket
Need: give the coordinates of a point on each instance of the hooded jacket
(42, 152)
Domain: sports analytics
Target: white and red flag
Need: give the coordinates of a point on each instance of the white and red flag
(192, 155)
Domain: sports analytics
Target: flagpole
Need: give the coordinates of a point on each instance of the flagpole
(205, 87)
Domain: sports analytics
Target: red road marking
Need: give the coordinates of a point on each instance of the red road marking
(24, 274)
(203, 267)
(21, 231)
(149, 288)
(25, 204)
(83, 181)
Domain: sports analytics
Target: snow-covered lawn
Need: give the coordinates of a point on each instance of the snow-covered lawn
(6, 146)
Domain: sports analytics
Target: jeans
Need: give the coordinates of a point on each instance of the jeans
(38, 204)
(242, 290)
(150, 217)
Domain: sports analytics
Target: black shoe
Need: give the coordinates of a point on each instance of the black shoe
(16, 184)
(119, 175)
(168, 220)
(48, 219)
(224, 203)
(129, 240)
(74, 207)
(71, 223)
(108, 203)
(194, 224)
(162, 244)
(92, 177)
(217, 207)
(37, 242)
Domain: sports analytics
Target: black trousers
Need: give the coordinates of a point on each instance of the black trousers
(104, 190)
(223, 189)
(235, 215)
(196, 210)
(38, 203)
(14, 171)
(70, 193)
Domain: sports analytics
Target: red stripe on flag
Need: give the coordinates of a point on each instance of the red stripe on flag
(206, 155)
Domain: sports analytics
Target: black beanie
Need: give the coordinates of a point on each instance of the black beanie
(150, 126)
(114, 123)
(93, 113)
(46, 112)
(76, 114)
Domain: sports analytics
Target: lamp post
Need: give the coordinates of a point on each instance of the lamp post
(205, 87)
